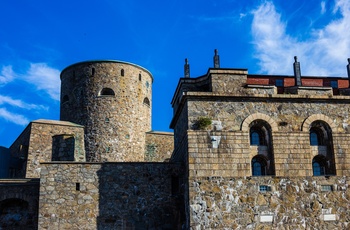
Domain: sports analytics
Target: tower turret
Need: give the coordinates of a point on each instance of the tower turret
(112, 99)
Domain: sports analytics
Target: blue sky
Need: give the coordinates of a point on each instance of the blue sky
(40, 38)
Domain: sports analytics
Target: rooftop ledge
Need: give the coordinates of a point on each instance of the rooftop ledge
(277, 96)
(261, 86)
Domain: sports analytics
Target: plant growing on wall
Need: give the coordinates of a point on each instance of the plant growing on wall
(150, 151)
(203, 123)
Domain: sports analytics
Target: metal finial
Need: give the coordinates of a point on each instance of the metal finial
(187, 68)
(216, 59)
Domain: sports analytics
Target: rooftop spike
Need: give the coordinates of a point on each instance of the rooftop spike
(187, 69)
(216, 59)
(297, 72)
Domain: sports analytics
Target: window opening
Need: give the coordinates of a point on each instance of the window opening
(146, 101)
(107, 92)
(77, 186)
(65, 98)
(334, 84)
(122, 72)
(279, 83)
(258, 166)
(264, 188)
(314, 138)
(254, 138)
(326, 188)
(319, 166)
(140, 77)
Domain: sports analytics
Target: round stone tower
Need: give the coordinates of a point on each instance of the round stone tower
(112, 99)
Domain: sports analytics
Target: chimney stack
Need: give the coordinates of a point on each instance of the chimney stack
(187, 69)
(348, 68)
(216, 59)
(297, 72)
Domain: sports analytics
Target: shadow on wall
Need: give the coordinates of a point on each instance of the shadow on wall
(4, 162)
(139, 196)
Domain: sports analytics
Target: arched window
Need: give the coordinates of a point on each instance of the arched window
(122, 72)
(65, 98)
(322, 145)
(259, 166)
(107, 92)
(261, 141)
(140, 77)
(319, 166)
(314, 139)
(146, 101)
(255, 138)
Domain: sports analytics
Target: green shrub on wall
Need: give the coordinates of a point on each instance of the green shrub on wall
(203, 123)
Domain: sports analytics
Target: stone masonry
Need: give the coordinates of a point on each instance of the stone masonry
(112, 100)
(248, 152)
(223, 193)
(108, 196)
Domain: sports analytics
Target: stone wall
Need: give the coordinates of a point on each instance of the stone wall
(109, 196)
(19, 200)
(35, 145)
(222, 192)
(159, 146)
(113, 100)
(19, 154)
(288, 203)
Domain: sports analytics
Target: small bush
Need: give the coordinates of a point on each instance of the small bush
(203, 122)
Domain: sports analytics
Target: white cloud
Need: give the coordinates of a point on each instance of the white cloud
(19, 103)
(44, 78)
(324, 53)
(6, 75)
(12, 117)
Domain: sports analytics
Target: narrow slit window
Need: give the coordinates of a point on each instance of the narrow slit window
(122, 72)
(77, 186)
(146, 101)
(65, 99)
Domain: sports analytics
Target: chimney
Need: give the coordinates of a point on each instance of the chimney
(348, 68)
(297, 73)
(187, 69)
(216, 59)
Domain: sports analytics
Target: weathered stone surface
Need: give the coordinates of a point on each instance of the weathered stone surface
(115, 122)
(159, 146)
(35, 145)
(240, 203)
(19, 203)
(109, 196)
(222, 192)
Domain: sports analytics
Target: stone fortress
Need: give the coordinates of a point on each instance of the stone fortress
(248, 152)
